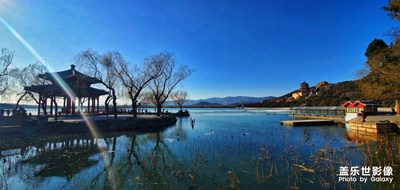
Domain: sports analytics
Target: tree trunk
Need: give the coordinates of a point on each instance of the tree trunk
(134, 108)
(115, 104)
(56, 108)
(44, 108)
(159, 106)
(106, 107)
(180, 106)
(106, 104)
(17, 104)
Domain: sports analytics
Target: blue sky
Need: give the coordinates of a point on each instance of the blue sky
(252, 48)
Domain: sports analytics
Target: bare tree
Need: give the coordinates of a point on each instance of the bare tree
(148, 98)
(162, 86)
(6, 59)
(179, 98)
(135, 78)
(364, 71)
(100, 67)
(24, 77)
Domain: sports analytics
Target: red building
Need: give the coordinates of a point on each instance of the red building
(354, 109)
(79, 84)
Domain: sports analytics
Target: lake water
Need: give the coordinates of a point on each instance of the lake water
(226, 149)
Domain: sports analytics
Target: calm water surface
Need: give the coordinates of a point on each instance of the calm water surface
(226, 149)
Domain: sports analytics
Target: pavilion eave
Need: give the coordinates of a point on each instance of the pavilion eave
(55, 90)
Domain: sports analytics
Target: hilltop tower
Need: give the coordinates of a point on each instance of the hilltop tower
(304, 87)
(303, 91)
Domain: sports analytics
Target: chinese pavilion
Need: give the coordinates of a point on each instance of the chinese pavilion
(79, 85)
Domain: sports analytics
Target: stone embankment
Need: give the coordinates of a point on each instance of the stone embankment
(376, 124)
(78, 125)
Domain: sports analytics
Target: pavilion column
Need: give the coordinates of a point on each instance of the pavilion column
(398, 107)
(93, 104)
(98, 105)
(63, 108)
(45, 105)
(53, 100)
(88, 105)
(51, 105)
(79, 104)
(73, 105)
(68, 105)
(40, 98)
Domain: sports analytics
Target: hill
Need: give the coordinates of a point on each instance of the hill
(323, 94)
(6, 106)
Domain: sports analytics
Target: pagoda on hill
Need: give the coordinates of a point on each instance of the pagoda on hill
(303, 91)
(74, 80)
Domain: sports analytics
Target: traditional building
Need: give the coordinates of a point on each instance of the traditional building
(304, 87)
(355, 109)
(303, 91)
(319, 111)
(77, 82)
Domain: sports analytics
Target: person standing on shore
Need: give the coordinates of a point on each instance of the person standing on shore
(363, 116)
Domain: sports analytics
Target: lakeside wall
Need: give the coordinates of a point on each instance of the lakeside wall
(80, 127)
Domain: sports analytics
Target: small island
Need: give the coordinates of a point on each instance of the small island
(68, 104)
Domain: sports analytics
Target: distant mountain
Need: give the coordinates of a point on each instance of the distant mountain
(205, 103)
(208, 105)
(6, 106)
(230, 100)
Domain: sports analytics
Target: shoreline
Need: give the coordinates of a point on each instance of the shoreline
(78, 126)
(339, 120)
(268, 108)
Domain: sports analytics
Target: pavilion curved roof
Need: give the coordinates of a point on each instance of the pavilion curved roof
(71, 75)
(359, 104)
(79, 84)
(56, 90)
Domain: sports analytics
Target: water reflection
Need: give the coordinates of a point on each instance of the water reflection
(242, 151)
(361, 137)
(73, 160)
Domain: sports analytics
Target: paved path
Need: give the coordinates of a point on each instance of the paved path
(78, 118)
(99, 117)
(376, 118)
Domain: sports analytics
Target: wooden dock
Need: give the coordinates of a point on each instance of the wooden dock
(310, 122)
